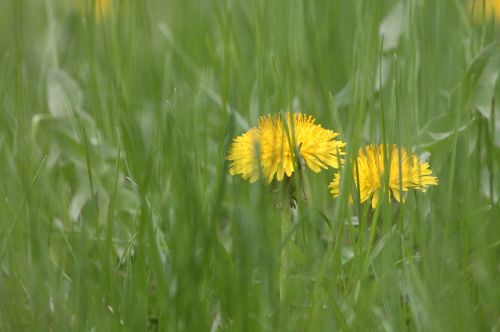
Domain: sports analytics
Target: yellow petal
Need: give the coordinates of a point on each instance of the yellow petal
(375, 200)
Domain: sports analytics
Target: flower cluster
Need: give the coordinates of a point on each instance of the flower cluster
(484, 11)
(277, 145)
(405, 172)
(101, 8)
(269, 148)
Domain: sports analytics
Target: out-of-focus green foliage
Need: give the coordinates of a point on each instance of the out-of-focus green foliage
(117, 211)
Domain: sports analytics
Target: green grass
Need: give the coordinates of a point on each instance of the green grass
(117, 211)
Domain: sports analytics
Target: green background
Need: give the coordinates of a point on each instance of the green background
(117, 211)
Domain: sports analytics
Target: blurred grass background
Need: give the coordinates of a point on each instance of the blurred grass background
(117, 211)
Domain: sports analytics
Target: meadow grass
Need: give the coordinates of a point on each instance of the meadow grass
(117, 211)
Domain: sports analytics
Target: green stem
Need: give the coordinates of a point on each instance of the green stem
(287, 222)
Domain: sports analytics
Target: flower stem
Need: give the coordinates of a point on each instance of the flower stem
(288, 217)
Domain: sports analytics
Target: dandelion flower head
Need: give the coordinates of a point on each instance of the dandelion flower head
(101, 7)
(266, 149)
(484, 10)
(370, 163)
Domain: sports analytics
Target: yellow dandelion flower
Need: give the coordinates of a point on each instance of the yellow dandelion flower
(414, 174)
(484, 10)
(266, 150)
(102, 8)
